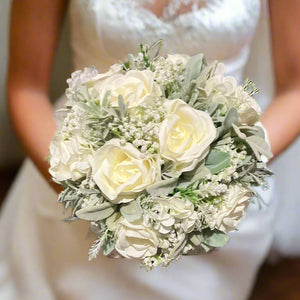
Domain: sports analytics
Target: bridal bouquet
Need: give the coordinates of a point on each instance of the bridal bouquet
(159, 154)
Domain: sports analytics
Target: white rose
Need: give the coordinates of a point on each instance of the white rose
(233, 209)
(100, 78)
(248, 109)
(134, 240)
(88, 77)
(121, 173)
(185, 135)
(225, 90)
(135, 86)
(68, 160)
(219, 85)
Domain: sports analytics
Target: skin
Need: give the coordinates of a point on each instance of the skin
(35, 27)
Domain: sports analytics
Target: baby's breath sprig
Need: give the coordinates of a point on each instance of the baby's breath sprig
(250, 87)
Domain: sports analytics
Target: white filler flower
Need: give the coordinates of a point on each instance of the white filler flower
(134, 240)
(121, 173)
(68, 160)
(185, 135)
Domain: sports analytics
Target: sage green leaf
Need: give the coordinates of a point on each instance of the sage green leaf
(196, 238)
(177, 249)
(212, 107)
(108, 246)
(163, 187)
(214, 238)
(240, 134)
(122, 106)
(131, 211)
(252, 130)
(217, 161)
(95, 228)
(224, 141)
(193, 67)
(259, 146)
(154, 50)
(105, 100)
(188, 178)
(86, 107)
(231, 118)
(113, 221)
(193, 98)
(97, 212)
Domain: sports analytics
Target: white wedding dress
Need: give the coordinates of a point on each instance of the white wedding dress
(41, 257)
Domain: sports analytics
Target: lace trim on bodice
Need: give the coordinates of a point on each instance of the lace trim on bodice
(105, 31)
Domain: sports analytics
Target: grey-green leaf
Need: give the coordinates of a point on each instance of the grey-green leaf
(231, 117)
(97, 212)
(113, 221)
(131, 211)
(108, 246)
(259, 146)
(217, 161)
(200, 171)
(214, 238)
(194, 67)
(196, 238)
(163, 187)
(122, 106)
(154, 50)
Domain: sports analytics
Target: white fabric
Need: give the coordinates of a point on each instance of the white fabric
(287, 166)
(41, 257)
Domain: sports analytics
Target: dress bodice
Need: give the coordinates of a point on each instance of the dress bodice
(104, 32)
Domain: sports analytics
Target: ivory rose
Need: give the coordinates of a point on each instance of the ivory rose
(248, 109)
(121, 173)
(233, 208)
(135, 240)
(225, 90)
(185, 135)
(134, 86)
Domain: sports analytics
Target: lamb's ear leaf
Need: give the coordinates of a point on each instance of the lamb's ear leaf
(214, 238)
(154, 50)
(193, 68)
(108, 246)
(131, 211)
(217, 161)
(97, 212)
(163, 187)
(230, 119)
(259, 146)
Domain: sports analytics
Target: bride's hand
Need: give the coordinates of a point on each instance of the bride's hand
(35, 27)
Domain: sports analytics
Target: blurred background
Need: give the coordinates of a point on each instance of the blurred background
(276, 280)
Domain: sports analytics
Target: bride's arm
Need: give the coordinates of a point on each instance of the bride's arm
(34, 31)
(282, 117)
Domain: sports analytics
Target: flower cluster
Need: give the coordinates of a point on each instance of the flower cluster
(159, 154)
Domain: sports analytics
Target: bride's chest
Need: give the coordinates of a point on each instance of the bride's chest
(220, 28)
